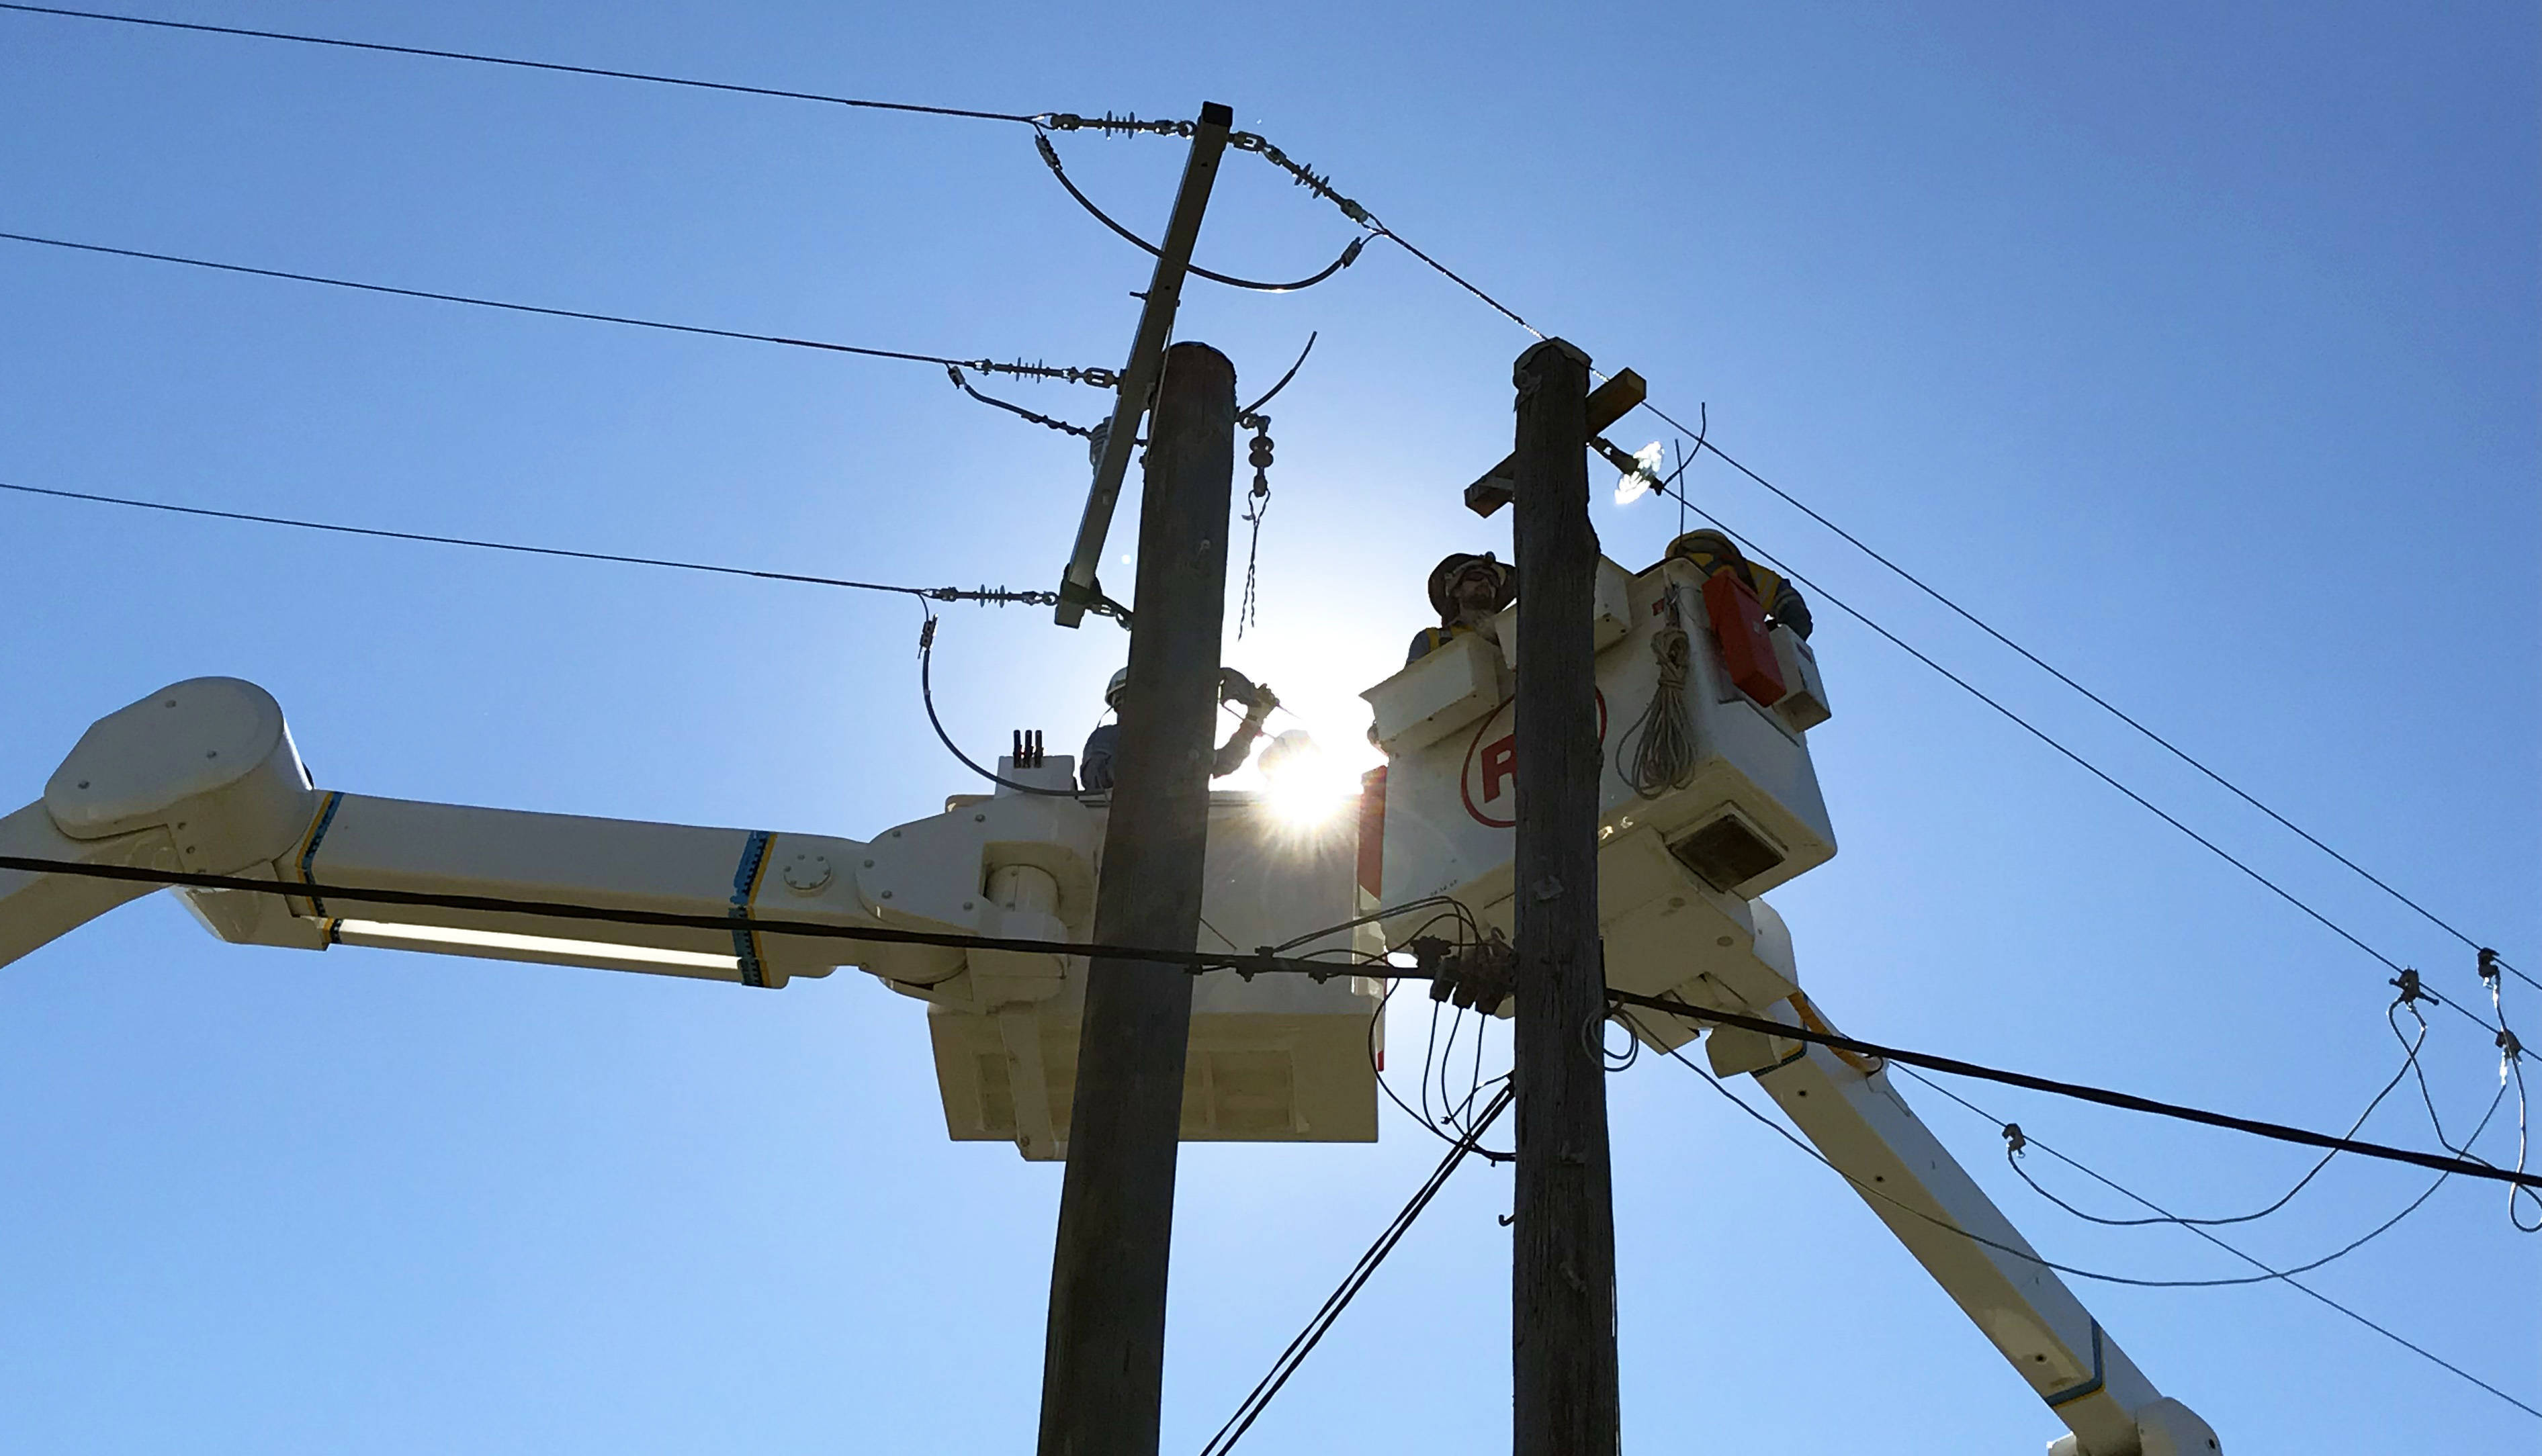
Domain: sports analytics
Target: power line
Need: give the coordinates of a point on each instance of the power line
(2016, 1251)
(1257, 963)
(2177, 752)
(2192, 1225)
(983, 594)
(2034, 731)
(1869, 1189)
(1050, 158)
(2278, 1132)
(1290, 1359)
(1098, 376)
(517, 63)
(1305, 176)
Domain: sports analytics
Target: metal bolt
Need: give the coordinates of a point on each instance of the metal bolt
(886, 894)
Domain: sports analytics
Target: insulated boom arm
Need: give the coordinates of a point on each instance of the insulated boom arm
(1846, 1107)
(204, 776)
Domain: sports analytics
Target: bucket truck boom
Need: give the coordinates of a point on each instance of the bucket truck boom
(1710, 800)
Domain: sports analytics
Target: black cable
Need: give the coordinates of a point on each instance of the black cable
(953, 371)
(934, 594)
(1195, 961)
(1256, 964)
(2410, 1059)
(1257, 1400)
(1245, 416)
(1100, 377)
(1451, 274)
(1050, 158)
(2026, 1256)
(526, 65)
(927, 695)
(1456, 907)
(2191, 1226)
(2272, 1273)
(2043, 735)
(2061, 676)
(2129, 1101)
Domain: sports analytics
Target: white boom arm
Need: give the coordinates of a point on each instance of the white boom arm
(202, 776)
(1846, 1107)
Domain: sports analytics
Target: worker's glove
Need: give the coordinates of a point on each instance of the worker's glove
(1264, 701)
(1234, 688)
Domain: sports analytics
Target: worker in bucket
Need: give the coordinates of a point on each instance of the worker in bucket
(1467, 592)
(1095, 767)
(1711, 553)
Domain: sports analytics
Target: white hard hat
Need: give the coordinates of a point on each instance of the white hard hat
(1112, 690)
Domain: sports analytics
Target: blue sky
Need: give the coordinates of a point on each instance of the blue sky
(2194, 346)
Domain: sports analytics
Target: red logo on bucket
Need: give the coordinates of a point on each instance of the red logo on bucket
(1489, 780)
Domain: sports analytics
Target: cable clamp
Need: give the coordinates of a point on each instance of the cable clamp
(2410, 990)
(2489, 966)
(1478, 977)
(2509, 1047)
(2014, 1141)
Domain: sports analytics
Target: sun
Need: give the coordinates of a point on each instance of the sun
(1303, 789)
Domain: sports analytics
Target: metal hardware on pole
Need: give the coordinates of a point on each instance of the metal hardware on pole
(1563, 1224)
(1103, 1366)
(1078, 590)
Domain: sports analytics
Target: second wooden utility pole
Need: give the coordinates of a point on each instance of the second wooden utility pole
(1563, 1225)
(1103, 1366)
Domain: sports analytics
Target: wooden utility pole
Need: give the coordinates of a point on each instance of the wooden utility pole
(1103, 1366)
(1563, 1228)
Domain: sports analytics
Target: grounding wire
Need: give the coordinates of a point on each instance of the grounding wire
(2220, 853)
(1102, 378)
(982, 595)
(1303, 1344)
(2192, 1225)
(515, 62)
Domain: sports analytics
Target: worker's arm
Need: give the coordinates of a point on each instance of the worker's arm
(1258, 701)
